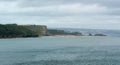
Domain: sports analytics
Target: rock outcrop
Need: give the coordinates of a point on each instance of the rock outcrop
(100, 35)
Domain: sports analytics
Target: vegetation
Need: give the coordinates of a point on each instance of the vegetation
(38, 29)
(14, 30)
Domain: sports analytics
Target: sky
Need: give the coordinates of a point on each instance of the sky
(93, 14)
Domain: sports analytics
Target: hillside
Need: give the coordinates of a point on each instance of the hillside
(14, 30)
(38, 29)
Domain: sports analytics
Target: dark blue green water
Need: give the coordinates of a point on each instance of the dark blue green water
(60, 51)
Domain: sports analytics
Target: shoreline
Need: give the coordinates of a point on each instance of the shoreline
(53, 36)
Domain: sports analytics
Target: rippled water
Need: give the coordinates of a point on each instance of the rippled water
(60, 51)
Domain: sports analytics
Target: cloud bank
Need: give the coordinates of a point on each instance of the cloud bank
(102, 14)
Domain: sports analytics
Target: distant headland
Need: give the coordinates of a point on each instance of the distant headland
(58, 32)
(16, 31)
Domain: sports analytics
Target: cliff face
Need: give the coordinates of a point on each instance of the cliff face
(39, 29)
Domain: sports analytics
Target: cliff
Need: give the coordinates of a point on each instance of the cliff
(39, 29)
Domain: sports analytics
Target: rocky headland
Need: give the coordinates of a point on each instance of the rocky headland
(15, 31)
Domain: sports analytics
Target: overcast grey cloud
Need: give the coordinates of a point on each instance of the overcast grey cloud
(102, 14)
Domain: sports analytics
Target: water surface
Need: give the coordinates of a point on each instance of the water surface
(68, 50)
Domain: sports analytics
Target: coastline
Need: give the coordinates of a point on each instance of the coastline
(53, 36)
(9, 31)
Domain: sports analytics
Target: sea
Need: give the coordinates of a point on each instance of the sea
(61, 50)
